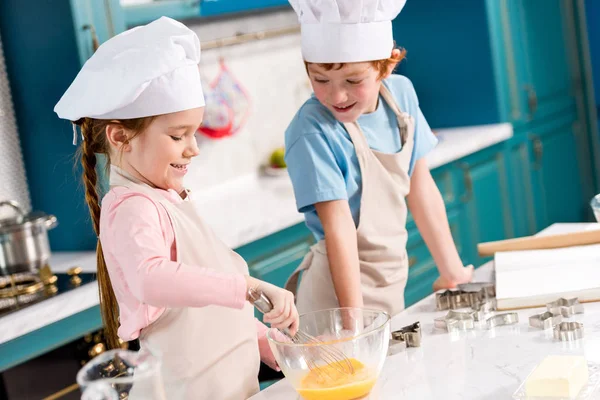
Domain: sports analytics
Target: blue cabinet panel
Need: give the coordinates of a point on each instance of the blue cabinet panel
(487, 197)
(556, 176)
(140, 14)
(454, 81)
(210, 8)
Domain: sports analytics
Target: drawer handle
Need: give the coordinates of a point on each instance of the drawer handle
(412, 261)
(466, 197)
(532, 100)
(95, 41)
(538, 151)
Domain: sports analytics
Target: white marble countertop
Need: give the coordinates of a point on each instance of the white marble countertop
(240, 212)
(480, 364)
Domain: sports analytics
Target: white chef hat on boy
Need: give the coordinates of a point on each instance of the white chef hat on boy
(337, 31)
(144, 71)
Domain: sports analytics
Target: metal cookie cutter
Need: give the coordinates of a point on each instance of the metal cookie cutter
(480, 310)
(456, 321)
(545, 320)
(502, 319)
(477, 292)
(568, 331)
(409, 336)
(565, 307)
(451, 300)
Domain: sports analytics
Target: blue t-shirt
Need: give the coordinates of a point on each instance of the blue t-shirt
(321, 159)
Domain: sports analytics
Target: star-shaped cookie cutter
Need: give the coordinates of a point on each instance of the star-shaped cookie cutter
(565, 307)
(502, 319)
(545, 320)
(568, 331)
(456, 321)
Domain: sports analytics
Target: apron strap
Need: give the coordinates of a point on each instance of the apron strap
(400, 116)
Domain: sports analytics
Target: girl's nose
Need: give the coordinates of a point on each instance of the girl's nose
(192, 149)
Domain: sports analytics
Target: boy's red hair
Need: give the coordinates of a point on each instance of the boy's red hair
(381, 66)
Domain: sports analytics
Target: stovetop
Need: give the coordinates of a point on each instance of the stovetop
(24, 290)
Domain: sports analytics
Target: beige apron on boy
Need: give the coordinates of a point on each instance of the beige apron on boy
(381, 232)
(209, 352)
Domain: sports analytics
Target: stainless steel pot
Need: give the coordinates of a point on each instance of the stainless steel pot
(24, 245)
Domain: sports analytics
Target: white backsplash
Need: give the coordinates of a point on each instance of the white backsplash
(273, 74)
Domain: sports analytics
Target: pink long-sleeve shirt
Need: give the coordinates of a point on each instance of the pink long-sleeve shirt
(139, 247)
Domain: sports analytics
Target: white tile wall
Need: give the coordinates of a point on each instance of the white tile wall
(273, 74)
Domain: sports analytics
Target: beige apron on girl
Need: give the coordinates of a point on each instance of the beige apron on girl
(209, 352)
(381, 232)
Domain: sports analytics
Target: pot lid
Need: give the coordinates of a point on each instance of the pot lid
(20, 217)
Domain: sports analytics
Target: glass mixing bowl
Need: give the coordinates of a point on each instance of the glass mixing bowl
(345, 362)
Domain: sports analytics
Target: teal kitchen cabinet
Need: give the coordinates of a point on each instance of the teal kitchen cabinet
(95, 22)
(486, 197)
(422, 270)
(544, 78)
(275, 257)
(142, 13)
(520, 166)
(211, 8)
(556, 179)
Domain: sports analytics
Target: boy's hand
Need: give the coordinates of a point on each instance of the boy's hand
(465, 276)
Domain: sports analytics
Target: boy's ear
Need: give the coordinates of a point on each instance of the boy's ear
(390, 68)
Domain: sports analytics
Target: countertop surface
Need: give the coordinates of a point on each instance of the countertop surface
(479, 364)
(239, 211)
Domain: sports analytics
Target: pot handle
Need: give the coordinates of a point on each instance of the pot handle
(51, 222)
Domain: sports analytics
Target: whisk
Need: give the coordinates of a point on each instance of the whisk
(332, 356)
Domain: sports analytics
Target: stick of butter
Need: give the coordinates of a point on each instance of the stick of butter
(558, 376)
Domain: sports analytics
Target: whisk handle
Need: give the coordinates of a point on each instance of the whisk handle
(264, 305)
(260, 300)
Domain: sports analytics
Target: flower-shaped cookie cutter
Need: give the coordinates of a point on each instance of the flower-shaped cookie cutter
(568, 331)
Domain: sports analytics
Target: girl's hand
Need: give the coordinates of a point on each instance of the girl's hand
(465, 276)
(284, 313)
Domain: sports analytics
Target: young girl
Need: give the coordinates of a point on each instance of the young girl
(354, 152)
(164, 277)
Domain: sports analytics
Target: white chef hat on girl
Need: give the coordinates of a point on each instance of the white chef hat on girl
(337, 31)
(148, 70)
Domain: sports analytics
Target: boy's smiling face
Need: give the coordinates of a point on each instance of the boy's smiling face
(349, 91)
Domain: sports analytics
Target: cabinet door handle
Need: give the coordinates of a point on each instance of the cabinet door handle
(532, 100)
(95, 41)
(466, 197)
(412, 261)
(538, 151)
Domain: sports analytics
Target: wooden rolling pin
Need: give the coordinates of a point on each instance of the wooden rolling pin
(540, 242)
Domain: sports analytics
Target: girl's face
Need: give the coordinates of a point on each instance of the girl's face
(347, 92)
(160, 155)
